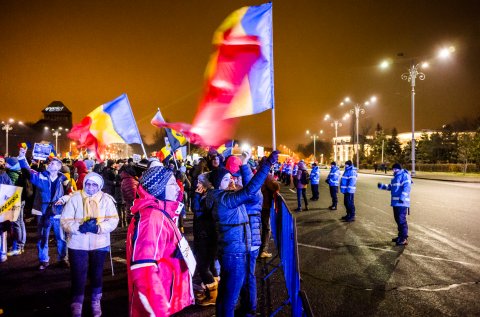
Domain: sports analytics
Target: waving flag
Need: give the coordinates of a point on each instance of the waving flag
(175, 138)
(112, 122)
(255, 94)
(239, 77)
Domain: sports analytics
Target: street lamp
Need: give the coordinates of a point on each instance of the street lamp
(315, 138)
(8, 126)
(411, 76)
(335, 124)
(357, 110)
(56, 133)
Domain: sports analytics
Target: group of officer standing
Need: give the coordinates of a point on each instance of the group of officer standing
(399, 187)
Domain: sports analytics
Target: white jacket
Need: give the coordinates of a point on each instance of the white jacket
(73, 216)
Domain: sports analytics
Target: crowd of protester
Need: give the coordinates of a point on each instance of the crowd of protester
(84, 200)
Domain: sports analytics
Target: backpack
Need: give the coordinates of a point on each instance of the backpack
(305, 178)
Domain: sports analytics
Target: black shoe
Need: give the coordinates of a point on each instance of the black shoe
(298, 209)
(344, 217)
(305, 209)
(312, 199)
(64, 264)
(395, 239)
(402, 242)
(349, 219)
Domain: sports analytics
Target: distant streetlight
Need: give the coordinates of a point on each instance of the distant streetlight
(411, 76)
(357, 110)
(8, 126)
(315, 138)
(56, 133)
(335, 124)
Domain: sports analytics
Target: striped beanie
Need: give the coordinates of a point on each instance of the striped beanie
(154, 181)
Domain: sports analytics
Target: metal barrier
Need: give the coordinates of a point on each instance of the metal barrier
(284, 231)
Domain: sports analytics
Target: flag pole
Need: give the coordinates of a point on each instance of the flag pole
(274, 138)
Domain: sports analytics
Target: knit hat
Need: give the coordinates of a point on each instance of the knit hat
(233, 165)
(333, 163)
(217, 175)
(94, 177)
(397, 166)
(349, 163)
(11, 161)
(154, 180)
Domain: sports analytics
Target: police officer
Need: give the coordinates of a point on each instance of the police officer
(399, 187)
(332, 181)
(348, 185)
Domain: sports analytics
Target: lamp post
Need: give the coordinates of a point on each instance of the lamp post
(413, 72)
(315, 138)
(8, 126)
(357, 110)
(56, 133)
(335, 124)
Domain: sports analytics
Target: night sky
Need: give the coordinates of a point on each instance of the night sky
(85, 53)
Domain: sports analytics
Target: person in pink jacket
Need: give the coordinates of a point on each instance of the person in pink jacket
(159, 282)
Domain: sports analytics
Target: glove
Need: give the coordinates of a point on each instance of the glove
(273, 157)
(379, 185)
(89, 226)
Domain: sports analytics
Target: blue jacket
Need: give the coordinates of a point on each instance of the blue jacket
(348, 183)
(333, 176)
(45, 188)
(295, 170)
(315, 175)
(254, 208)
(230, 215)
(400, 187)
(5, 179)
(287, 169)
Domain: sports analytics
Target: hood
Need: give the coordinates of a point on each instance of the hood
(148, 201)
(81, 167)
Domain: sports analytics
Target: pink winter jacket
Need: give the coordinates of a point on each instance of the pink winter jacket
(159, 283)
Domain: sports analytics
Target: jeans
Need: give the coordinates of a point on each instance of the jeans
(302, 192)
(400, 215)
(315, 193)
(19, 233)
(232, 276)
(348, 200)
(248, 294)
(81, 263)
(266, 230)
(43, 230)
(333, 194)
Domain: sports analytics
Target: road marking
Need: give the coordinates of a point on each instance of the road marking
(446, 288)
(313, 247)
(119, 259)
(292, 190)
(392, 251)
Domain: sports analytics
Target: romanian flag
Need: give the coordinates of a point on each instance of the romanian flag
(175, 138)
(256, 92)
(239, 77)
(112, 122)
(164, 154)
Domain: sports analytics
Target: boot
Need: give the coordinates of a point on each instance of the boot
(76, 309)
(96, 309)
(212, 290)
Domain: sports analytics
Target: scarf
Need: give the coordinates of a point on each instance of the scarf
(91, 205)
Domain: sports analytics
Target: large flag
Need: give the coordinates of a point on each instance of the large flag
(175, 138)
(112, 122)
(239, 77)
(256, 92)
